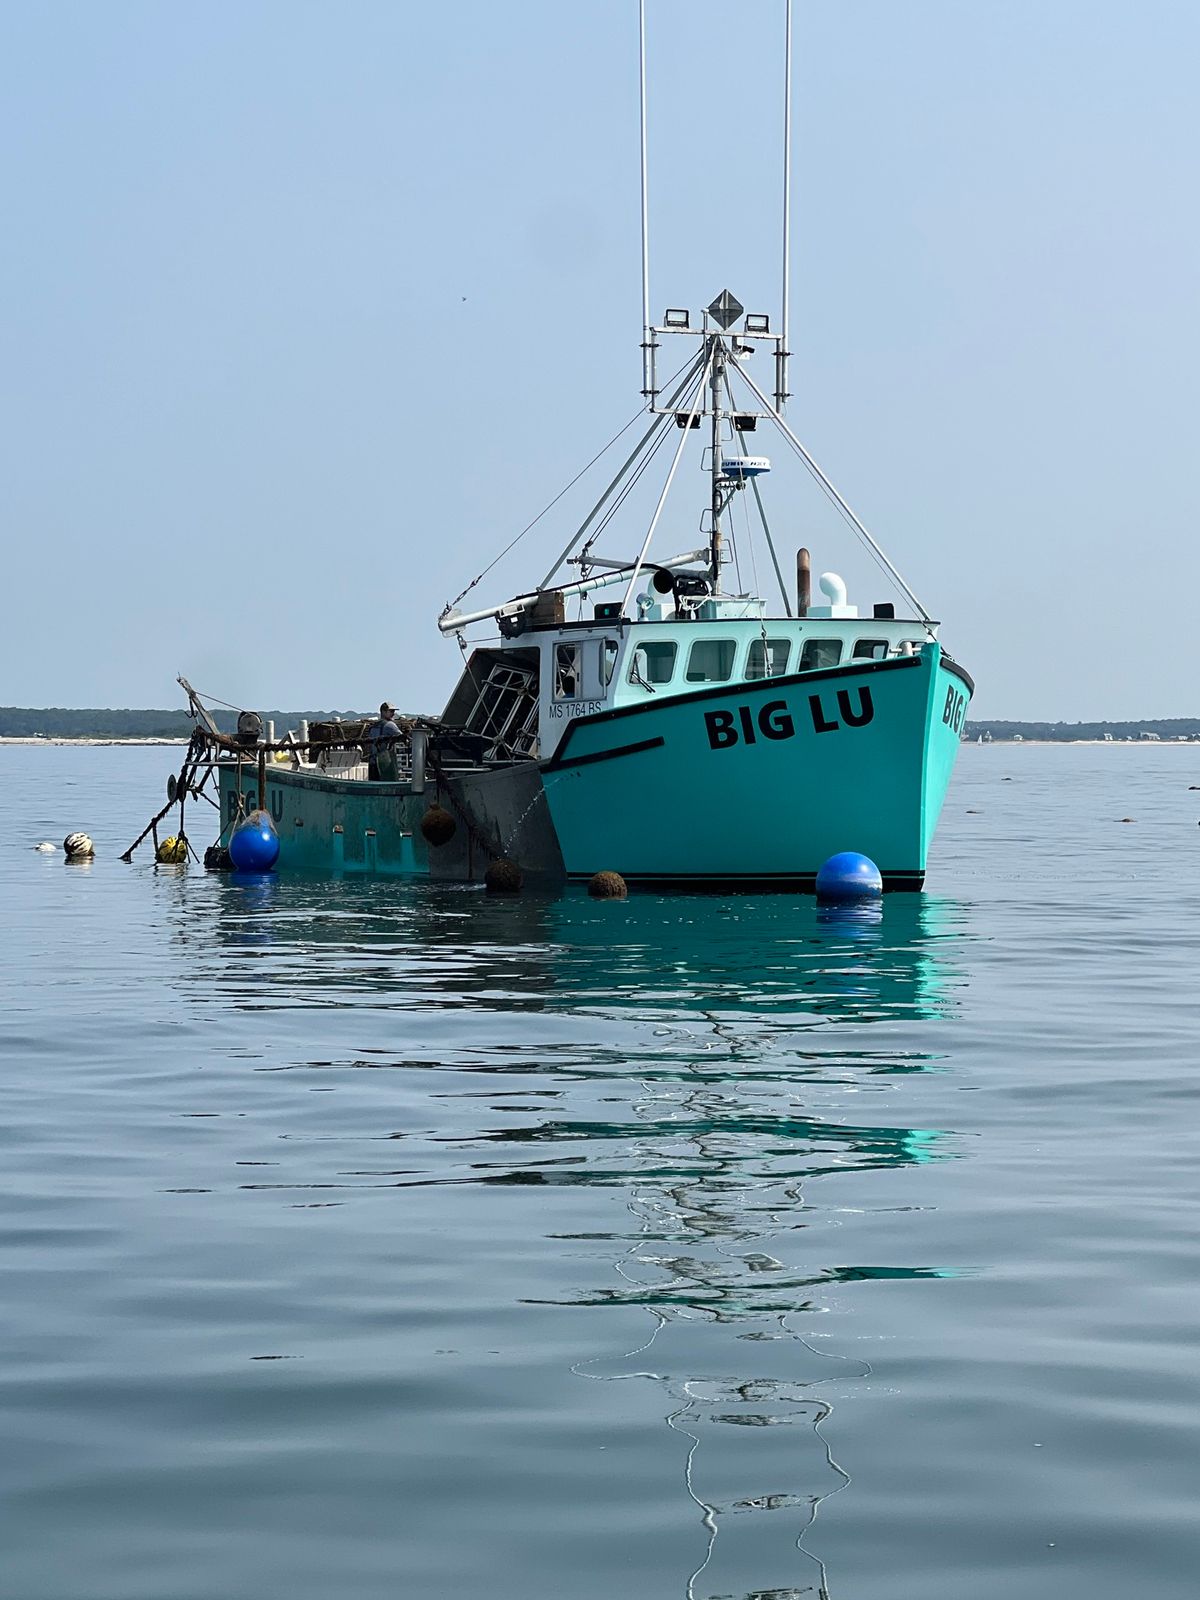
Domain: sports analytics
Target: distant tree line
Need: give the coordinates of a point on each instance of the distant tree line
(1064, 732)
(66, 722)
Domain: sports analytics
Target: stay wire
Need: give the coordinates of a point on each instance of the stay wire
(626, 489)
(653, 432)
(762, 510)
(843, 509)
(216, 700)
(529, 526)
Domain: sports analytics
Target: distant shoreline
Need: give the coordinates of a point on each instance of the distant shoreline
(66, 738)
(1170, 742)
(101, 725)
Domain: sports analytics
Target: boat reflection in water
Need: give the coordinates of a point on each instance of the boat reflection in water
(779, 963)
(715, 1172)
(694, 1083)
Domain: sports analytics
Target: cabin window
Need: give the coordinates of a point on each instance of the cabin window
(653, 663)
(711, 661)
(608, 661)
(870, 649)
(768, 658)
(566, 671)
(820, 653)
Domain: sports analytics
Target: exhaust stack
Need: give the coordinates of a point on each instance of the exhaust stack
(803, 581)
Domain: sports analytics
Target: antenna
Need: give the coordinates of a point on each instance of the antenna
(782, 352)
(647, 331)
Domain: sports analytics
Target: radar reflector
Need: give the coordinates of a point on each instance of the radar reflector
(725, 309)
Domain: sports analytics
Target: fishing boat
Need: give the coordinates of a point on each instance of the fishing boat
(641, 712)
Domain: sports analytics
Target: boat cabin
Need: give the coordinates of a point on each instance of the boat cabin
(520, 694)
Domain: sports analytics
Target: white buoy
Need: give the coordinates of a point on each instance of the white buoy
(79, 847)
(46, 848)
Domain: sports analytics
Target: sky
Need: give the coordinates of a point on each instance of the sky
(306, 310)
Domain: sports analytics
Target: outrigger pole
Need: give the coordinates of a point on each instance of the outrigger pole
(598, 580)
(647, 327)
(782, 353)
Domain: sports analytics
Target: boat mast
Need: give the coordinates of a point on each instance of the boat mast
(717, 367)
(718, 320)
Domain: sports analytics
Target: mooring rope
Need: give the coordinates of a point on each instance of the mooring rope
(493, 850)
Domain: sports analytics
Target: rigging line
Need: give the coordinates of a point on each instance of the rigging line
(658, 424)
(856, 526)
(880, 561)
(762, 511)
(529, 525)
(837, 499)
(623, 493)
(732, 503)
(217, 701)
(846, 514)
(662, 499)
(549, 507)
(626, 489)
(737, 559)
(749, 544)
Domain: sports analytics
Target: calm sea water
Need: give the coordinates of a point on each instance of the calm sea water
(361, 1240)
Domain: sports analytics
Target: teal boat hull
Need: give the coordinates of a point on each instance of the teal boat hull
(753, 783)
(329, 824)
(761, 782)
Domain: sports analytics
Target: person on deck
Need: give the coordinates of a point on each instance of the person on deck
(381, 739)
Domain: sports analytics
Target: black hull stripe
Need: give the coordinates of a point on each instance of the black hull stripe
(556, 764)
(742, 687)
(805, 882)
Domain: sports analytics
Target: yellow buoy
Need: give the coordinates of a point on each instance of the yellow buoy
(172, 850)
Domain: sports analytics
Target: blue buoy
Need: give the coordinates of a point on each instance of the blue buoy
(254, 844)
(849, 876)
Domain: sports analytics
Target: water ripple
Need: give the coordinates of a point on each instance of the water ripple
(367, 1236)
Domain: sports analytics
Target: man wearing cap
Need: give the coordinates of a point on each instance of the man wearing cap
(381, 739)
